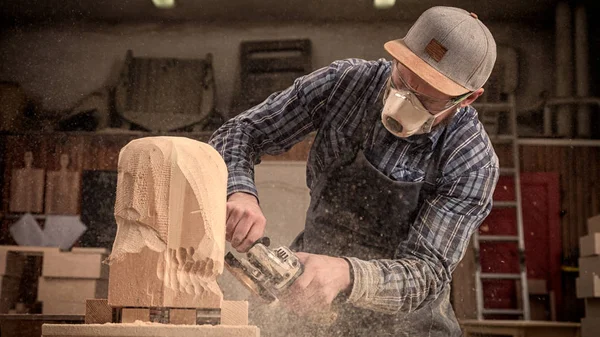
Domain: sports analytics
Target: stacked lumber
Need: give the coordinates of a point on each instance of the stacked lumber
(70, 278)
(588, 282)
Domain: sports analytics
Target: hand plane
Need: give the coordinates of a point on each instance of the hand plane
(265, 271)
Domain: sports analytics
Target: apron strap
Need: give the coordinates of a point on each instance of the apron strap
(434, 168)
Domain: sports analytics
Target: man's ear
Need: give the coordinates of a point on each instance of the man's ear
(472, 97)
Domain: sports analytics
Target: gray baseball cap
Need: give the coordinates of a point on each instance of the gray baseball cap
(449, 48)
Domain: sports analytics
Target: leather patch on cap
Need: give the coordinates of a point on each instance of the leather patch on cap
(435, 50)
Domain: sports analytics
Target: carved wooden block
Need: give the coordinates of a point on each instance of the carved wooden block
(62, 189)
(27, 188)
(170, 213)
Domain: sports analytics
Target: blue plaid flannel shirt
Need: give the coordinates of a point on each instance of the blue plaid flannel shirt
(332, 101)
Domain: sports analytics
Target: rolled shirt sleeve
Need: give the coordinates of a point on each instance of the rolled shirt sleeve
(272, 127)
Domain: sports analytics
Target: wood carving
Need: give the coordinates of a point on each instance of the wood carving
(170, 214)
(27, 188)
(62, 189)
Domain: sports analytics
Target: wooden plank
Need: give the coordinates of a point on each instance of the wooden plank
(74, 265)
(60, 307)
(182, 316)
(234, 313)
(130, 315)
(97, 311)
(588, 286)
(153, 330)
(589, 265)
(90, 250)
(71, 289)
(593, 224)
(589, 245)
(30, 250)
(62, 189)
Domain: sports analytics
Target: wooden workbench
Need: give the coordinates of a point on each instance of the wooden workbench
(30, 325)
(473, 328)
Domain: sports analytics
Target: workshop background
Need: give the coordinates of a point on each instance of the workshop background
(80, 79)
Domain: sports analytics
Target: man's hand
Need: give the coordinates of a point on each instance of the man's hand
(323, 279)
(245, 221)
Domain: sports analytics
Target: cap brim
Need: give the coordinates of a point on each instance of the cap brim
(399, 50)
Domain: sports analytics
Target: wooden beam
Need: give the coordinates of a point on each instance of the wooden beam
(97, 311)
(234, 313)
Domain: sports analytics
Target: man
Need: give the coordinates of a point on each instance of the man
(401, 173)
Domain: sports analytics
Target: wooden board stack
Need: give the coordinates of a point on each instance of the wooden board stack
(70, 278)
(170, 211)
(588, 283)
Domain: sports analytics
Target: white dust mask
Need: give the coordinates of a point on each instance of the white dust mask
(404, 115)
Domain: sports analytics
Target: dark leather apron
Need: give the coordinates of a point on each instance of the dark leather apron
(358, 211)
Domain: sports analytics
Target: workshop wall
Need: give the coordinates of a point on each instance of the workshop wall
(58, 65)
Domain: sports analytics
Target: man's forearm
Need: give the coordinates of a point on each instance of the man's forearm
(392, 286)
